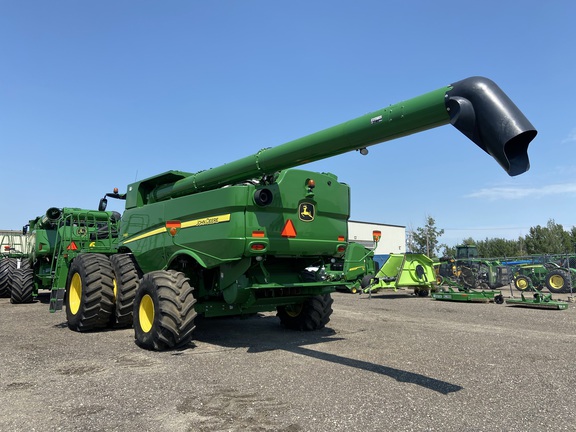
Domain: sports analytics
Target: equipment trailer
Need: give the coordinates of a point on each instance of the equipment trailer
(238, 238)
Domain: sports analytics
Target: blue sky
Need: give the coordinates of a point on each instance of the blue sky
(94, 95)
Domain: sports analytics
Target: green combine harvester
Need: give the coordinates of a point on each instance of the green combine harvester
(239, 238)
(61, 239)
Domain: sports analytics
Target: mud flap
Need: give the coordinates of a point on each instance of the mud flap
(57, 299)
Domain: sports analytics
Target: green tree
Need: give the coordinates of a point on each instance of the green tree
(498, 247)
(550, 239)
(425, 239)
(447, 251)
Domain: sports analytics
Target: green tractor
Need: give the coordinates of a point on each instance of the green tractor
(471, 271)
(240, 238)
(549, 275)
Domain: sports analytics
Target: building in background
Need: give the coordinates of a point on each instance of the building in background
(393, 238)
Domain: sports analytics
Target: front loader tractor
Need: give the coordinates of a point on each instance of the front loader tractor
(240, 238)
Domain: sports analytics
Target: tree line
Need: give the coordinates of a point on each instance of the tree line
(550, 239)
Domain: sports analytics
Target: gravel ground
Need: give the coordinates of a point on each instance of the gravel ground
(389, 362)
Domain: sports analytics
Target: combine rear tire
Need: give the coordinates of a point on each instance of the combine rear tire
(126, 280)
(89, 292)
(558, 281)
(313, 314)
(22, 286)
(164, 311)
(522, 283)
(7, 267)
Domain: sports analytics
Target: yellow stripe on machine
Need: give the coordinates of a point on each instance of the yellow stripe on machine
(207, 221)
(189, 224)
(148, 234)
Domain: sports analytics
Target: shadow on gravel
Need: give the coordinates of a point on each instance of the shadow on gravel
(397, 374)
(43, 297)
(264, 333)
(388, 295)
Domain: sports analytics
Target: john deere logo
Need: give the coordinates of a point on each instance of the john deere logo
(306, 212)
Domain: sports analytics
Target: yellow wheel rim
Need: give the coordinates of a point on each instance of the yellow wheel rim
(146, 313)
(294, 310)
(557, 281)
(522, 283)
(115, 290)
(75, 294)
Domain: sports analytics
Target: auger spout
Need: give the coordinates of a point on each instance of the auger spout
(476, 106)
(484, 113)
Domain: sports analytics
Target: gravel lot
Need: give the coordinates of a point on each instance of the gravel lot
(392, 362)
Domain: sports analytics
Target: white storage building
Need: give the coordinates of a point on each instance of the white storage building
(393, 238)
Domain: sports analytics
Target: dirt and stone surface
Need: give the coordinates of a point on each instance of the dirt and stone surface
(389, 362)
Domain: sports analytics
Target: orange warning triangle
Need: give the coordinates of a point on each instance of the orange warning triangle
(72, 246)
(289, 230)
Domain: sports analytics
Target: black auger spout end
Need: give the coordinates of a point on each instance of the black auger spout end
(484, 113)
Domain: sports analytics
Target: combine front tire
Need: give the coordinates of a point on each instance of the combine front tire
(22, 286)
(558, 281)
(89, 292)
(164, 311)
(126, 280)
(313, 314)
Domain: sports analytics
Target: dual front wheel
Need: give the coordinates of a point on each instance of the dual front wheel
(103, 292)
(100, 291)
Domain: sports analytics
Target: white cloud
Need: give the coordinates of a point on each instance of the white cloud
(497, 193)
(570, 138)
